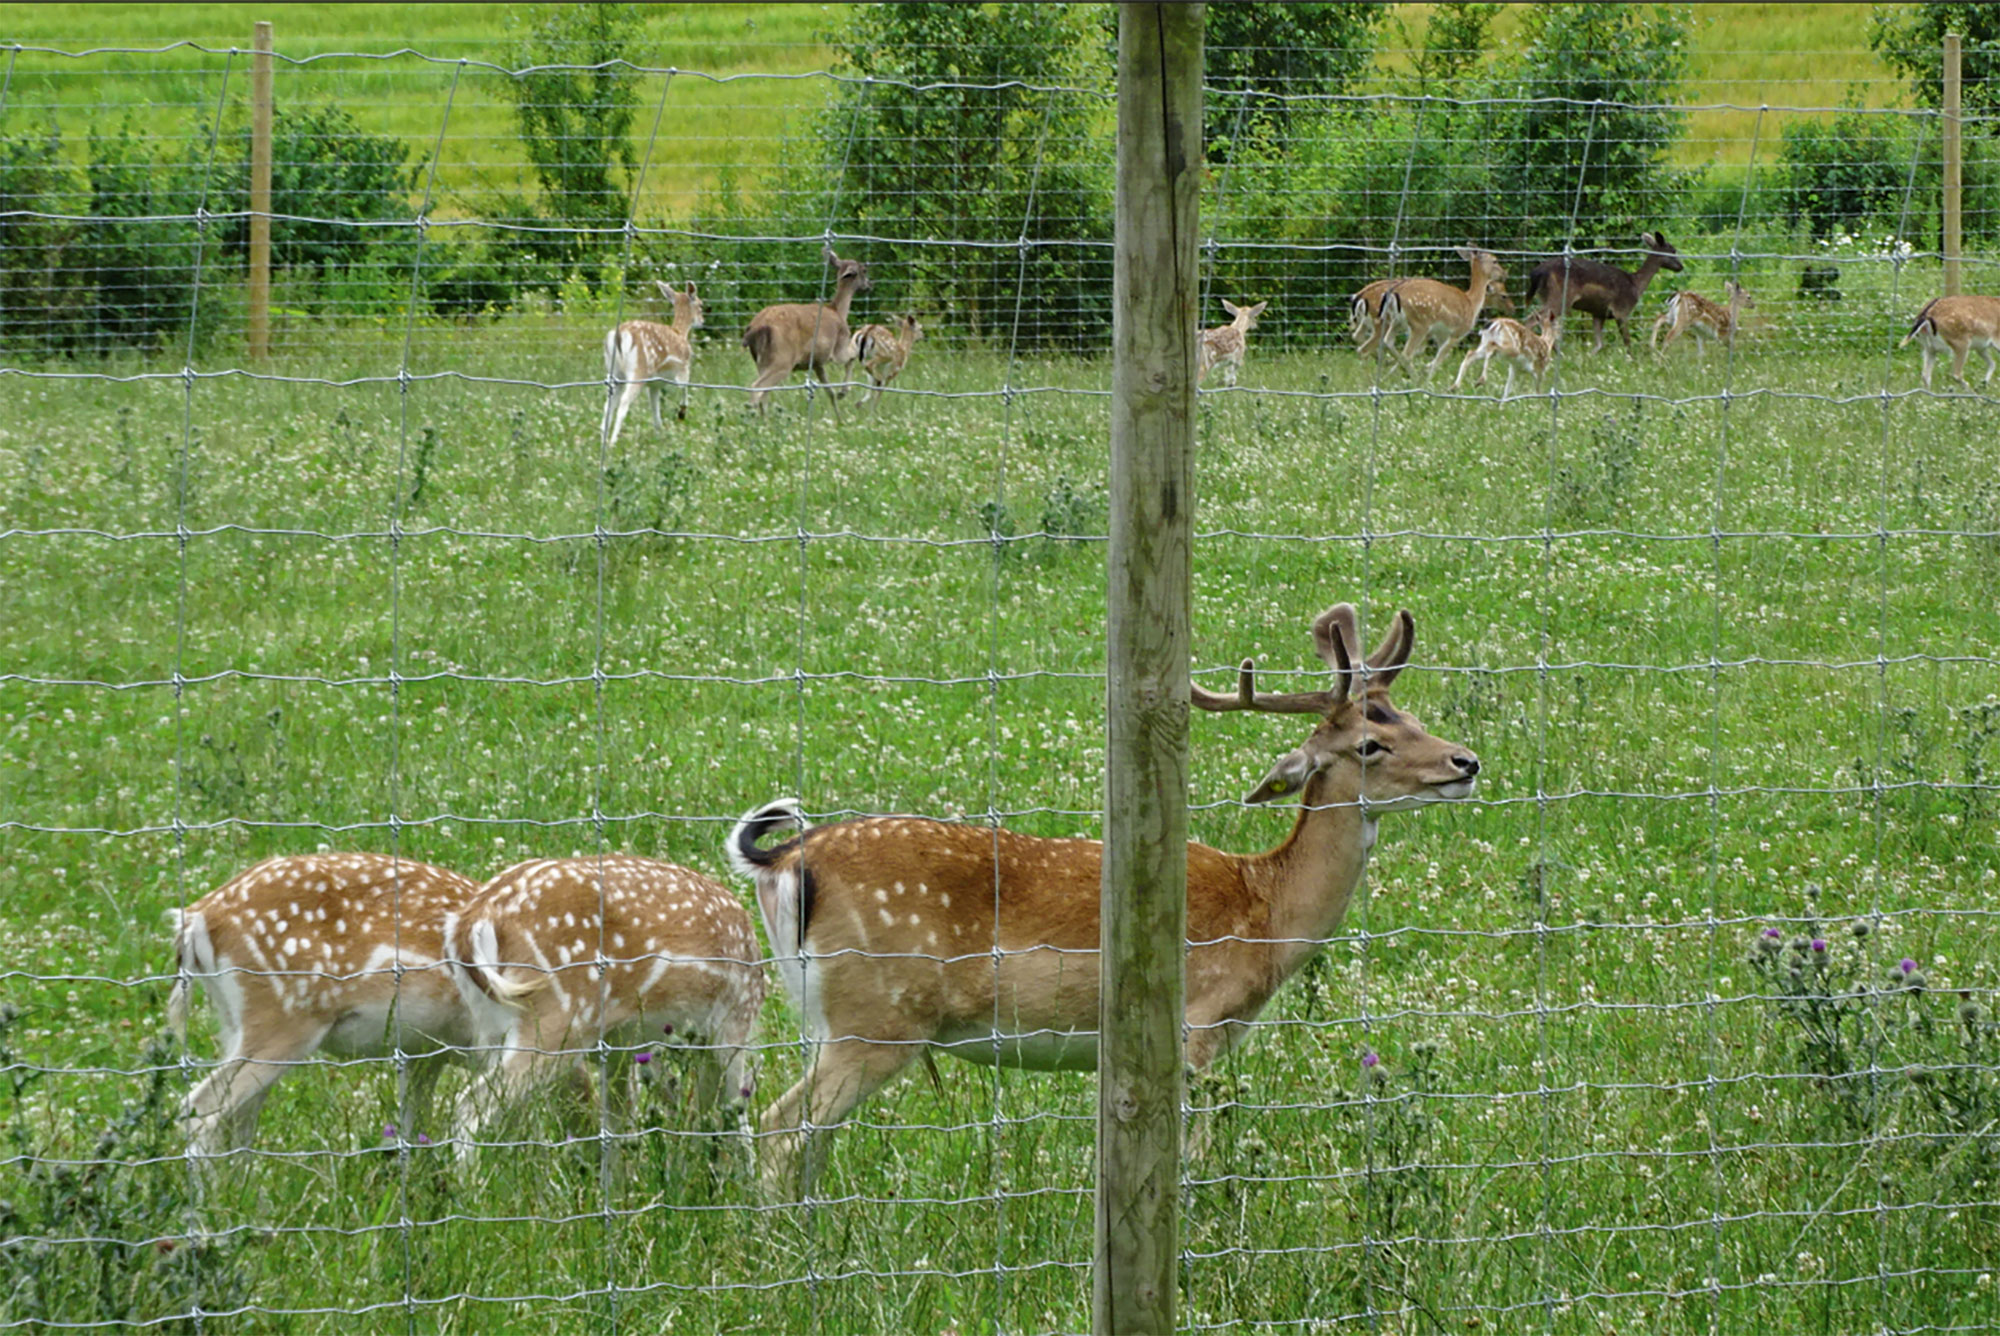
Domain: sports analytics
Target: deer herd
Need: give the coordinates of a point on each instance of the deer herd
(817, 337)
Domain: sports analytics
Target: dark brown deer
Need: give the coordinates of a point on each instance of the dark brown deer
(898, 935)
(813, 335)
(1599, 290)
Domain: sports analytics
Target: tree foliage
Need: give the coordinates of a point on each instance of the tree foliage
(1271, 51)
(574, 103)
(1910, 39)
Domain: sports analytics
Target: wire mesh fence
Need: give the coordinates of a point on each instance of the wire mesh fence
(1683, 1022)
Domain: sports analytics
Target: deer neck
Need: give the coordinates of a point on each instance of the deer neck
(683, 321)
(1654, 259)
(843, 296)
(1308, 880)
(1476, 291)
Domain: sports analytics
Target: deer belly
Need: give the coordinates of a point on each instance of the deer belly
(1048, 1050)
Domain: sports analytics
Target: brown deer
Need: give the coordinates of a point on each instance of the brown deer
(1428, 308)
(896, 935)
(1364, 312)
(639, 350)
(1959, 324)
(1599, 290)
(562, 955)
(813, 335)
(884, 352)
(1688, 311)
(341, 952)
(1225, 345)
(1518, 346)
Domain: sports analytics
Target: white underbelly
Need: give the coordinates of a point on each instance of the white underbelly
(1038, 1050)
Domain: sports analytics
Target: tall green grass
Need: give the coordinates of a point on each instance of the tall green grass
(1722, 632)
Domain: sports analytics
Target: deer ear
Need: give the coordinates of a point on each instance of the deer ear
(1465, 253)
(1230, 306)
(826, 253)
(1289, 775)
(690, 289)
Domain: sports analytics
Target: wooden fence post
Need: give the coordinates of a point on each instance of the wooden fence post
(260, 193)
(1954, 160)
(1144, 895)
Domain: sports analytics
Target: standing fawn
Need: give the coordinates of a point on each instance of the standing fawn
(1429, 308)
(639, 350)
(883, 352)
(1521, 347)
(896, 935)
(1599, 290)
(1960, 324)
(813, 335)
(1225, 345)
(342, 952)
(1690, 311)
(560, 956)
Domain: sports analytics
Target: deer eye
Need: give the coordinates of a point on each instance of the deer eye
(1370, 747)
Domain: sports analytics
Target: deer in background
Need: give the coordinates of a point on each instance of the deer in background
(1522, 347)
(558, 956)
(1428, 308)
(341, 952)
(639, 350)
(1959, 324)
(1599, 290)
(898, 935)
(813, 335)
(1364, 312)
(1225, 345)
(1689, 311)
(883, 352)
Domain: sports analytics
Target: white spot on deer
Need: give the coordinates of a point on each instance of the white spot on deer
(887, 918)
(881, 896)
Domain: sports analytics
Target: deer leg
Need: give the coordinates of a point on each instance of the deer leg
(616, 408)
(1508, 388)
(1597, 322)
(843, 1073)
(1991, 362)
(1958, 356)
(1465, 365)
(222, 1110)
(527, 1060)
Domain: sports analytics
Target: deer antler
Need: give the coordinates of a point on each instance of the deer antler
(1247, 697)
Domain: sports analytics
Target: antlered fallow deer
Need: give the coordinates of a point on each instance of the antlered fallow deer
(1599, 290)
(1429, 308)
(884, 352)
(1522, 347)
(560, 955)
(813, 335)
(341, 952)
(1225, 345)
(897, 934)
(1959, 324)
(639, 350)
(1688, 311)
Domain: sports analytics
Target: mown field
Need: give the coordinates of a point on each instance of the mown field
(1723, 633)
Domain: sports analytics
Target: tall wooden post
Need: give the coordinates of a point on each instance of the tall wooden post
(1954, 166)
(260, 192)
(1144, 896)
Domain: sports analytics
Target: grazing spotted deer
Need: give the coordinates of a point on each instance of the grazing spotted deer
(1364, 312)
(1599, 290)
(813, 335)
(336, 952)
(1225, 345)
(1688, 311)
(639, 350)
(1428, 308)
(896, 935)
(1518, 346)
(883, 352)
(1959, 324)
(562, 955)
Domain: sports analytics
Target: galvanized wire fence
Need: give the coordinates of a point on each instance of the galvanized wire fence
(1684, 1022)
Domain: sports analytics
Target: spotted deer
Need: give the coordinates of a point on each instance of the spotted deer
(562, 955)
(1959, 324)
(341, 953)
(899, 935)
(1430, 309)
(1225, 345)
(1690, 312)
(884, 352)
(639, 350)
(1517, 346)
(1599, 290)
(813, 335)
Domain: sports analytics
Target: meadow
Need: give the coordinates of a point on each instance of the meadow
(1723, 634)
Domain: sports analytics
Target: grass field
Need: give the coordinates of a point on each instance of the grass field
(1728, 658)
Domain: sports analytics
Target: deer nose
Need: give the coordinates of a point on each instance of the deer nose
(1466, 762)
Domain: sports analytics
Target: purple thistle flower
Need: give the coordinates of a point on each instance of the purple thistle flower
(423, 1140)
(642, 1057)
(1773, 932)
(1369, 1059)
(1819, 943)
(388, 1131)
(1909, 966)
(667, 1029)
(746, 1092)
